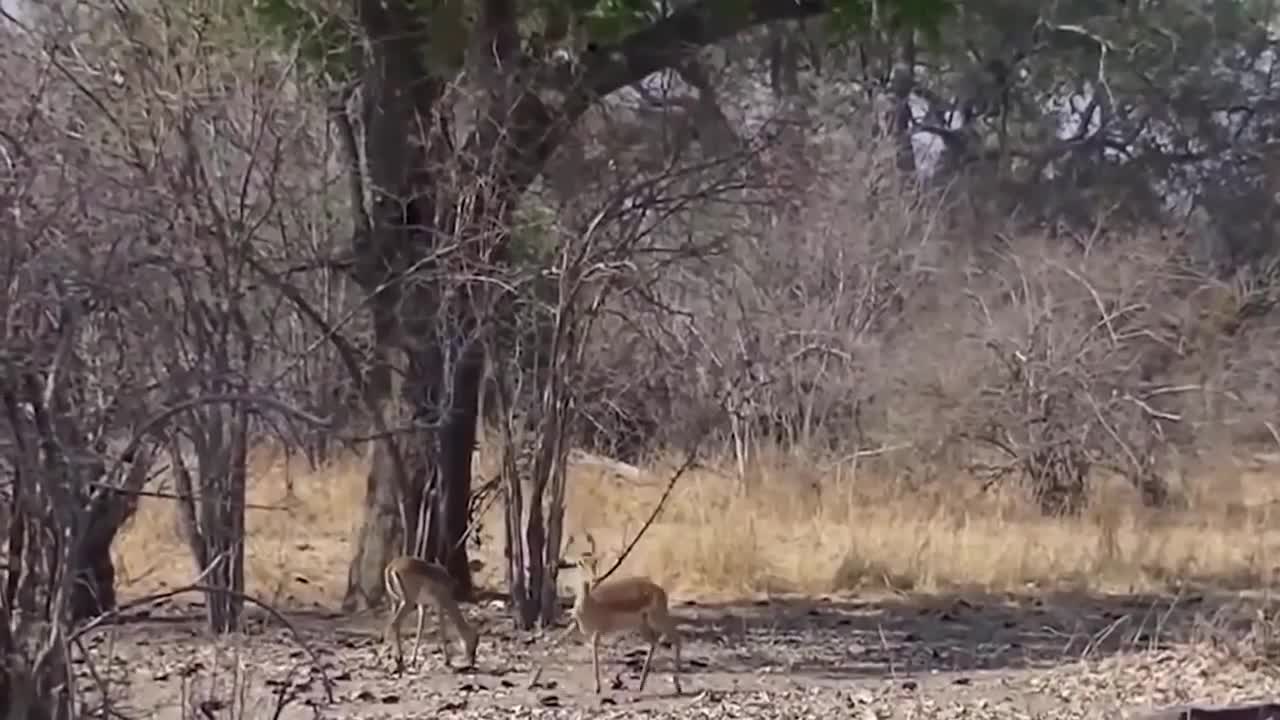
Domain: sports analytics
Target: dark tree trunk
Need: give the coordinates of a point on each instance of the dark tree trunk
(93, 573)
(390, 250)
(457, 443)
(403, 457)
(902, 83)
(418, 185)
(223, 536)
(93, 578)
(418, 474)
(91, 570)
(211, 518)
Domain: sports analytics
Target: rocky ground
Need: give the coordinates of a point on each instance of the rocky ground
(1060, 657)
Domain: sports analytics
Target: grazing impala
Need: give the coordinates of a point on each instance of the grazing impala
(614, 606)
(413, 582)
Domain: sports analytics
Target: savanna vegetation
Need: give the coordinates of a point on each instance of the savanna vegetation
(770, 295)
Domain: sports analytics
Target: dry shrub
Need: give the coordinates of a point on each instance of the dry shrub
(883, 317)
(863, 351)
(718, 540)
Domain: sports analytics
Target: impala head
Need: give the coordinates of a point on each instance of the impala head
(586, 564)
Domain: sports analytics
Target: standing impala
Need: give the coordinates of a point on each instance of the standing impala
(415, 583)
(614, 606)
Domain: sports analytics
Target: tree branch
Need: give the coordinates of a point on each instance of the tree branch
(668, 41)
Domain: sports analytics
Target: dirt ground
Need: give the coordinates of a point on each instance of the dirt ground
(974, 657)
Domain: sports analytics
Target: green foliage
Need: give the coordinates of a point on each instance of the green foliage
(323, 38)
(532, 245)
(856, 16)
(609, 20)
(448, 26)
(326, 40)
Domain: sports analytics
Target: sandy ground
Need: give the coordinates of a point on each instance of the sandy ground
(988, 657)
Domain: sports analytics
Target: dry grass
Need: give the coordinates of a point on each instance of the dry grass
(799, 528)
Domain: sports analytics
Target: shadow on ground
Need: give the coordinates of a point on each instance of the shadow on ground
(849, 638)
(841, 649)
(839, 638)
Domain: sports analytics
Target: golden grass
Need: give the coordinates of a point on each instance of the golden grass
(797, 528)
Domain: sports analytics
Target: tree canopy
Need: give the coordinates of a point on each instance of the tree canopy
(627, 38)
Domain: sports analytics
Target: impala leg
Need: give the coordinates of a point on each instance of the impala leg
(653, 637)
(417, 638)
(595, 658)
(674, 637)
(470, 642)
(443, 634)
(393, 628)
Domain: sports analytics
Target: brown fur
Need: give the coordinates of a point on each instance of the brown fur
(412, 582)
(633, 603)
(628, 595)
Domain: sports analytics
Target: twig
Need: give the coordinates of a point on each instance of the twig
(687, 465)
(478, 517)
(285, 695)
(1097, 412)
(1097, 301)
(156, 422)
(1172, 417)
(172, 496)
(873, 452)
(1272, 429)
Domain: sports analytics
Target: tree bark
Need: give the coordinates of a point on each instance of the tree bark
(397, 95)
(902, 83)
(211, 517)
(455, 450)
(93, 578)
(379, 534)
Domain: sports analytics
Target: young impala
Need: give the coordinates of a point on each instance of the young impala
(415, 583)
(615, 606)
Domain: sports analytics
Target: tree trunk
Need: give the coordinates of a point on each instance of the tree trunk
(380, 533)
(93, 578)
(93, 573)
(396, 488)
(224, 537)
(432, 477)
(903, 82)
(391, 247)
(211, 518)
(455, 451)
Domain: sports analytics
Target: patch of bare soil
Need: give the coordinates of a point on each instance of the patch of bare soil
(1063, 657)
